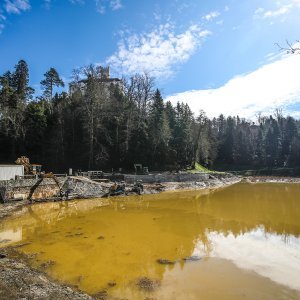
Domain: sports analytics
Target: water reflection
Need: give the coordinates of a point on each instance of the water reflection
(10, 236)
(93, 242)
(273, 256)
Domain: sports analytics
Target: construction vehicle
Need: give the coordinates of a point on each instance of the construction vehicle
(29, 169)
(117, 189)
(140, 170)
(138, 187)
(35, 169)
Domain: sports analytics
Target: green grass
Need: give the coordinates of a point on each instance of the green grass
(199, 168)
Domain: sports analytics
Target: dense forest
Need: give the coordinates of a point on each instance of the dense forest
(101, 125)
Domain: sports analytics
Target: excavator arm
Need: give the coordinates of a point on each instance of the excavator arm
(43, 176)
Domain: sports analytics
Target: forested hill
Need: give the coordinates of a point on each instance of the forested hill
(101, 125)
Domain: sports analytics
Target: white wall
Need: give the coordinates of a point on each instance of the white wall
(8, 172)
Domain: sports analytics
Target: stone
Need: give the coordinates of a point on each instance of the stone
(192, 258)
(148, 284)
(165, 261)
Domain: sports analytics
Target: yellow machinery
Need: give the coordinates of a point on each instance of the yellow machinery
(29, 169)
(35, 169)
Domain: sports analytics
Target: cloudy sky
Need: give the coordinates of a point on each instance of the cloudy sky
(219, 56)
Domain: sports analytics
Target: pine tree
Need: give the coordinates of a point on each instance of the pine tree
(159, 130)
(290, 132)
(20, 82)
(51, 80)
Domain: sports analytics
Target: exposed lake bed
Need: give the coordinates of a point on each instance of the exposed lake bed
(238, 242)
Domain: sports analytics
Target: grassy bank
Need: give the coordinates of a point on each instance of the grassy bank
(199, 168)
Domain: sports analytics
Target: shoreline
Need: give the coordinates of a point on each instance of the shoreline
(19, 280)
(271, 179)
(213, 181)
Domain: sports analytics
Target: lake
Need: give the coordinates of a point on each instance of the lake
(238, 242)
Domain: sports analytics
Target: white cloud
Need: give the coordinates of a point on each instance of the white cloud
(2, 16)
(278, 12)
(281, 9)
(115, 4)
(12, 7)
(103, 5)
(100, 6)
(158, 51)
(16, 6)
(212, 15)
(273, 85)
(269, 255)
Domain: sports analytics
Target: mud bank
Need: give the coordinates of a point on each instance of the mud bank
(19, 281)
(211, 182)
(271, 179)
(83, 188)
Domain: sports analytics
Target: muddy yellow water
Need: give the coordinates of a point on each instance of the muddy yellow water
(240, 242)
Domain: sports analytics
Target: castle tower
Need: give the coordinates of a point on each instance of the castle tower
(104, 71)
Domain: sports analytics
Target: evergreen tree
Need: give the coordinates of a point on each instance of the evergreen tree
(51, 80)
(106, 127)
(229, 141)
(289, 133)
(259, 147)
(159, 130)
(20, 82)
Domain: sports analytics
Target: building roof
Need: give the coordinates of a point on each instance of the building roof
(5, 166)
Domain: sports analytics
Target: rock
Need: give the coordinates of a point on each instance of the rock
(19, 266)
(102, 295)
(47, 264)
(2, 256)
(4, 241)
(112, 284)
(165, 261)
(192, 258)
(148, 284)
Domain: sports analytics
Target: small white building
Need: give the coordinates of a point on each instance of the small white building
(8, 172)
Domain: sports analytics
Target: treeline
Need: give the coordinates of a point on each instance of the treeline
(101, 125)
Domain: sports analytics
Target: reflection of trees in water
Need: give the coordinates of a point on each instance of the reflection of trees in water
(244, 207)
(37, 217)
(235, 210)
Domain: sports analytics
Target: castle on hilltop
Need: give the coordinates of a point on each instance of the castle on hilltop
(103, 79)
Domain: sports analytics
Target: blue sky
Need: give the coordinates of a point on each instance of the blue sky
(211, 54)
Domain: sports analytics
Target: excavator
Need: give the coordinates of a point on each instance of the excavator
(29, 169)
(34, 169)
